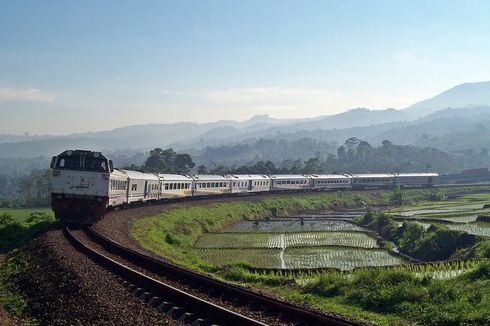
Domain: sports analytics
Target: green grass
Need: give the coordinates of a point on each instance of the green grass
(22, 214)
(10, 298)
(398, 295)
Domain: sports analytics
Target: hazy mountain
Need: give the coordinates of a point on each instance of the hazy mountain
(283, 128)
(461, 96)
(446, 129)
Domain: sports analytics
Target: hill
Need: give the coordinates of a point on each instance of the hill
(461, 96)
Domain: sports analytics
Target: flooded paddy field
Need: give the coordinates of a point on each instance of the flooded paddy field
(295, 243)
(459, 214)
(286, 225)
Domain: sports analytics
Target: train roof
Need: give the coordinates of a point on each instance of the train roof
(378, 175)
(208, 177)
(174, 177)
(330, 176)
(289, 176)
(428, 174)
(119, 173)
(140, 175)
(248, 176)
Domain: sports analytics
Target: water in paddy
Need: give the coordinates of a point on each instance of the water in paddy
(293, 225)
(293, 243)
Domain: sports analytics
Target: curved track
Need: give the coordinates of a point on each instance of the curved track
(186, 307)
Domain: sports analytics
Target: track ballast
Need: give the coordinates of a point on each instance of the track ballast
(186, 307)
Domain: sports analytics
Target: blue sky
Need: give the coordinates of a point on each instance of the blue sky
(74, 66)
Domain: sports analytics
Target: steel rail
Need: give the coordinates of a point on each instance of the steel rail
(164, 291)
(292, 313)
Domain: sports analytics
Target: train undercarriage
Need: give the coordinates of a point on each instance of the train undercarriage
(78, 209)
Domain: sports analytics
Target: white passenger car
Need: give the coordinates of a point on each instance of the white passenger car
(330, 181)
(175, 186)
(373, 180)
(142, 186)
(290, 182)
(415, 179)
(210, 185)
(248, 183)
(118, 188)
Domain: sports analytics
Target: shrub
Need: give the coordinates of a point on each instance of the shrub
(386, 290)
(329, 285)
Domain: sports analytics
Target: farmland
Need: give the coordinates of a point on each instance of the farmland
(459, 214)
(333, 264)
(22, 214)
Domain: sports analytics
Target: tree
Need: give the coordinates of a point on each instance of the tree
(201, 169)
(342, 154)
(155, 162)
(183, 163)
(312, 166)
(297, 167)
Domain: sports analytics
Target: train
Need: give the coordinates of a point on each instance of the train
(85, 185)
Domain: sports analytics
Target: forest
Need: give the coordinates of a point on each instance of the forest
(354, 156)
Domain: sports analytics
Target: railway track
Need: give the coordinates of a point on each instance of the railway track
(143, 276)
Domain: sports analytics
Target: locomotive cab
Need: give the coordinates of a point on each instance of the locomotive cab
(79, 186)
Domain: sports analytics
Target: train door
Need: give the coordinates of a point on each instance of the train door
(146, 190)
(430, 180)
(250, 185)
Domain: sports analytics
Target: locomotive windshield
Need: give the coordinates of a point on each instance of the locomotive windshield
(81, 163)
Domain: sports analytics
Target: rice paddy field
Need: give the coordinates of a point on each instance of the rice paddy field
(458, 214)
(287, 240)
(291, 244)
(294, 225)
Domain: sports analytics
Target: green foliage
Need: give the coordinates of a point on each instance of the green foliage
(394, 292)
(385, 290)
(411, 235)
(168, 161)
(436, 195)
(435, 243)
(15, 233)
(481, 249)
(329, 285)
(10, 298)
(397, 196)
(383, 224)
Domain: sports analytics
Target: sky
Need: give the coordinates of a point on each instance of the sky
(77, 66)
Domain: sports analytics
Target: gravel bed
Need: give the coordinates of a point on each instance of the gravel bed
(64, 287)
(117, 225)
(245, 310)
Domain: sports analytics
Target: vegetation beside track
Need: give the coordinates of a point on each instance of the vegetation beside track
(384, 296)
(17, 227)
(12, 301)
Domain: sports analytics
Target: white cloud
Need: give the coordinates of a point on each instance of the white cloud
(305, 101)
(25, 94)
